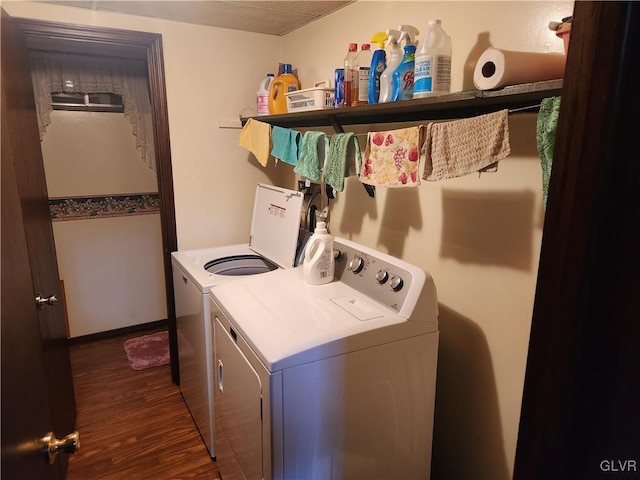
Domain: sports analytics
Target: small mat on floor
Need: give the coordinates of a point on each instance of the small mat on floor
(148, 351)
(152, 350)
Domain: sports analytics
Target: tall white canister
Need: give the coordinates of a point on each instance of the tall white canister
(319, 263)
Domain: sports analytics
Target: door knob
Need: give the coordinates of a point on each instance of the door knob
(42, 301)
(53, 446)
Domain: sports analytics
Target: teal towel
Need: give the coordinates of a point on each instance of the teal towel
(344, 159)
(546, 126)
(285, 144)
(313, 150)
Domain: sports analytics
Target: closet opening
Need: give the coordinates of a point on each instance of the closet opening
(92, 40)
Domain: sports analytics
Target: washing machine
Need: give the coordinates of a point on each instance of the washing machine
(275, 242)
(335, 381)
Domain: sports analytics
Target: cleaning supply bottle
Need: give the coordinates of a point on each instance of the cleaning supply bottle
(395, 58)
(262, 96)
(363, 64)
(282, 84)
(402, 78)
(433, 63)
(319, 262)
(378, 64)
(349, 66)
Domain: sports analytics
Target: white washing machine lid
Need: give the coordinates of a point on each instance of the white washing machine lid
(275, 224)
(288, 322)
(275, 227)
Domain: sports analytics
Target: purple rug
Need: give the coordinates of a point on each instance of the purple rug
(152, 350)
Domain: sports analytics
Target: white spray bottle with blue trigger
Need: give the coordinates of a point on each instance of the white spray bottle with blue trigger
(402, 78)
(395, 58)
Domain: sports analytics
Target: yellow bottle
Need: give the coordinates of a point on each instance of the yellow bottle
(282, 84)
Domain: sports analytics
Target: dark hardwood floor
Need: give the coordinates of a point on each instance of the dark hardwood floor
(132, 424)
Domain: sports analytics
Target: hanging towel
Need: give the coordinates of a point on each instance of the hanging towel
(313, 152)
(458, 148)
(256, 137)
(391, 158)
(344, 160)
(546, 126)
(285, 144)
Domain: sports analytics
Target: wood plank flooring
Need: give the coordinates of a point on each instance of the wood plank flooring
(132, 424)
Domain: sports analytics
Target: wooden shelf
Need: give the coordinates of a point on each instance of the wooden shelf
(455, 105)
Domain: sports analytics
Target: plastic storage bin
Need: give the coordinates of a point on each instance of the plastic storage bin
(319, 97)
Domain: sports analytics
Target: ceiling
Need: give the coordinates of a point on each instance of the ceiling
(266, 16)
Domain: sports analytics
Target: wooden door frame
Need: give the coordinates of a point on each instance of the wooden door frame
(582, 388)
(82, 36)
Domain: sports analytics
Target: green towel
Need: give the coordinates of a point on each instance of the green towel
(344, 159)
(545, 138)
(313, 149)
(285, 144)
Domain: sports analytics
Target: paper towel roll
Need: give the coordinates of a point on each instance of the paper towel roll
(498, 68)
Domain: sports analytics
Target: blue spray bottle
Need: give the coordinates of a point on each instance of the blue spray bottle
(378, 64)
(402, 78)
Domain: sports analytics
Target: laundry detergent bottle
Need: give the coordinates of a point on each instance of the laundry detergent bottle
(282, 84)
(319, 263)
(262, 96)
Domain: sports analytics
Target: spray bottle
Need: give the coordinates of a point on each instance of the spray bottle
(395, 58)
(378, 64)
(433, 63)
(402, 78)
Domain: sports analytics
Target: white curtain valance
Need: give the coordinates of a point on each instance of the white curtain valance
(71, 73)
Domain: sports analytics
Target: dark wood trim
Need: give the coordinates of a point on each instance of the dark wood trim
(582, 388)
(92, 39)
(142, 327)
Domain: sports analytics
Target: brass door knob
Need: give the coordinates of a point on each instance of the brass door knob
(53, 446)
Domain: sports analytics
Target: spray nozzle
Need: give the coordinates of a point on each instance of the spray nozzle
(379, 39)
(409, 33)
(394, 37)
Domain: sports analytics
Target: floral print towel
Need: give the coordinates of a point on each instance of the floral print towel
(392, 158)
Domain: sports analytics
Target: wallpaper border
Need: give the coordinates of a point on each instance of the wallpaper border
(101, 206)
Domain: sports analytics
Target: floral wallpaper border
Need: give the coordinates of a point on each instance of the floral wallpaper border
(82, 208)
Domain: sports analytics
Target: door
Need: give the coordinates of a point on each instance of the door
(37, 389)
(238, 402)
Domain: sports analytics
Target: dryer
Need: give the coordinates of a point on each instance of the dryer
(329, 381)
(274, 243)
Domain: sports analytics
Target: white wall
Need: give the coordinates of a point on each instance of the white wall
(111, 267)
(208, 78)
(478, 237)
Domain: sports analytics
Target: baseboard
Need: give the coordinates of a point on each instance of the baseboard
(119, 331)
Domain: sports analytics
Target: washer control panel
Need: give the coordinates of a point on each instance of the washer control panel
(379, 276)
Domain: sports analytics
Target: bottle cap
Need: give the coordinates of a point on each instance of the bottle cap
(366, 46)
(353, 47)
(321, 227)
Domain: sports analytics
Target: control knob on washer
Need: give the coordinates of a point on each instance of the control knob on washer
(396, 283)
(356, 264)
(382, 276)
